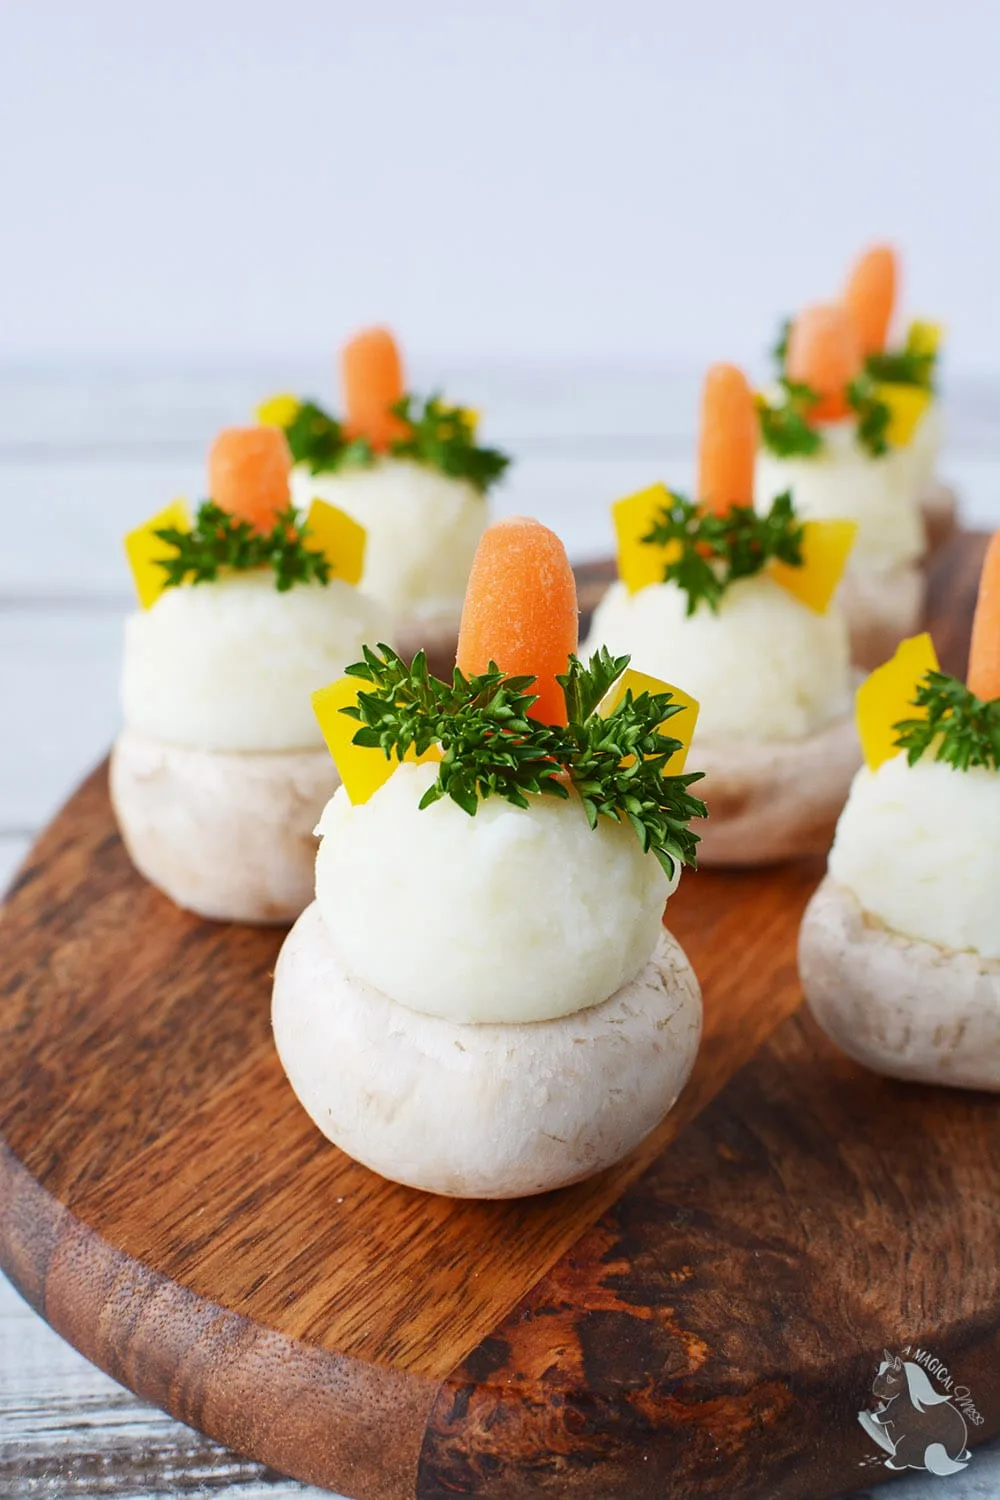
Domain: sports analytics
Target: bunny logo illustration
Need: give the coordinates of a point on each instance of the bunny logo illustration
(917, 1426)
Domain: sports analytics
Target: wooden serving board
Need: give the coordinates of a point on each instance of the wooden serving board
(703, 1320)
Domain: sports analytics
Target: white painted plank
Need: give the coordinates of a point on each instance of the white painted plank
(58, 688)
(12, 851)
(68, 545)
(176, 407)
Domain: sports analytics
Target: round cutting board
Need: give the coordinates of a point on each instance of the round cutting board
(704, 1320)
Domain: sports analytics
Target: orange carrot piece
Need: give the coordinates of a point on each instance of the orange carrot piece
(984, 652)
(248, 469)
(521, 610)
(824, 353)
(372, 372)
(870, 296)
(728, 440)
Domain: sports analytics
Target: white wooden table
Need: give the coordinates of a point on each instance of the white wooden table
(85, 454)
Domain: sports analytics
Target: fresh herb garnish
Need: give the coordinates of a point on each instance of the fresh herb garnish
(914, 364)
(491, 748)
(444, 437)
(901, 367)
(218, 542)
(784, 427)
(963, 729)
(706, 552)
(779, 351)
(873, 415)
(433, 433)
(318, 440)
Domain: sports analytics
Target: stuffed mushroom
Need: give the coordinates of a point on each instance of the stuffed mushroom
(739, 607)
(905, 377)
(900, 947)
(828, 437)
(483, 1001)
(220, 771)
(412, 473)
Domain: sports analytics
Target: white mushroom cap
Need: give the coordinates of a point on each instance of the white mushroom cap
(764, 667)
(898, 1005)
(882, 609)
(774, 800)
(226, 835)
(423, 529)
(489, 1111)
(516, 914)
(231, 664)
(925, 447)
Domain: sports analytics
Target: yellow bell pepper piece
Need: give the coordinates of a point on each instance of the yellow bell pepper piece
(641, 563)
(469, 416)
(278, 411)
(886, 697)
(679, 726)
(907, 404)
(362, 770)
(924, 338)
(145, 551)
(826, 546)
(339, 537)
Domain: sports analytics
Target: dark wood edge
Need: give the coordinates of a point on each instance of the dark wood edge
(317, 1416)
(786, 1433)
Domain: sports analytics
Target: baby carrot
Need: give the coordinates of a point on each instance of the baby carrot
(870, 296)
(521, 610)
(372, 374)
(248, 470)
(824, 353)
(728, 440)
(984, 653)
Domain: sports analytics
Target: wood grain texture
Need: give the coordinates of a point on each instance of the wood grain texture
(715, 1334)
(170, 1210)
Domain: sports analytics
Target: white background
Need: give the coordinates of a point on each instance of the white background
(622, 180)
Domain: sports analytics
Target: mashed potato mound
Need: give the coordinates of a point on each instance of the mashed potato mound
(844, 482)
(423, 529)
(919, 846)
(512, 915)
(230, 665)
(764, 668)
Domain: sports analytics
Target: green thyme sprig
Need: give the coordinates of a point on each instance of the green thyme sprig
(963, 730)
(443, 437)
(491, 747)
(873, 415)
(219, 542)
(913, 364)
(317, 440)
(433, 433)
(784, 425)
(779, 350)
(902, 367)
(617, 763)
(708, 552)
